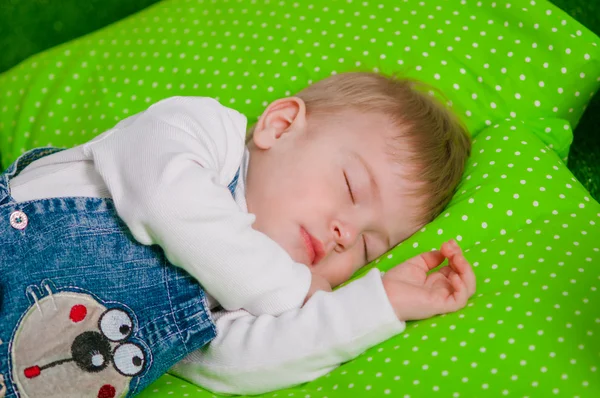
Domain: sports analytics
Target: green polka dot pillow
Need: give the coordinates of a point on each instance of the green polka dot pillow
(532, 232)
(519, 73)
(494, 60)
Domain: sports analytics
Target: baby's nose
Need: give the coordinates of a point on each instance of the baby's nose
(344, 234)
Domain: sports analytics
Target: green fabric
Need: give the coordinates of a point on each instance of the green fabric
(176, 48)
(248, 54)
(29, 27)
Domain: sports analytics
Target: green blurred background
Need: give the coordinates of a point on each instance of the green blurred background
(30, 26)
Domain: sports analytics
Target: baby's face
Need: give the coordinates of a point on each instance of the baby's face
(326, 189)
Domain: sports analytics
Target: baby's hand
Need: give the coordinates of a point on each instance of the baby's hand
(317, 283)
(416, 295)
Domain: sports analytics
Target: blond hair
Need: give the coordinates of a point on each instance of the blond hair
(439, 144)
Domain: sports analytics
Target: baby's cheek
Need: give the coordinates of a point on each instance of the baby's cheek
(347, 264)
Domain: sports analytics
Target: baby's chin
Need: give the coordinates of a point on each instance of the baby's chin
(299, 255)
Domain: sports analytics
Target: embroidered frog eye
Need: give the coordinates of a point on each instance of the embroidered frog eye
(128, 359)
(116, 325)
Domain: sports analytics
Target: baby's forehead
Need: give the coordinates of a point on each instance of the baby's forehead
(349, 114)
(363, 126)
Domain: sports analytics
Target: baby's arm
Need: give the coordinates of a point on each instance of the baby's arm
(253, 355)
(167, 170)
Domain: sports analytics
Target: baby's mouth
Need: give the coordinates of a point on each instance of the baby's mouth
(314, 247)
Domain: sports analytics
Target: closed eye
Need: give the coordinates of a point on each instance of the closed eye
(349, 188)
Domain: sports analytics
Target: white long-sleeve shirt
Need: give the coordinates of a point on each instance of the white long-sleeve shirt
(167, 171)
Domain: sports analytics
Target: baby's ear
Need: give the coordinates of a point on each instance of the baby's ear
(284, 115)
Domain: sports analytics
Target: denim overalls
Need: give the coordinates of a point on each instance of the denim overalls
(85, 310)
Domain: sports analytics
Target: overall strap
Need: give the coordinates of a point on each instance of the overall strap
(18, 165)
(234, 182)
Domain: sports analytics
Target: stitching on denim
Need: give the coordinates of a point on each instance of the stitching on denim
(186, 353)
(168, 336)
(37, 302)
(29, 293)
(209, 315)
(3, 388)
(51, 296)
(183, 309)
(100, 274)
(43, 231)
(108, 202)
(171, 304)
(143, 330)
(12, 338)
(196, 322)
(199, 321)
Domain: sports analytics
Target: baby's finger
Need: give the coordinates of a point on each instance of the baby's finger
(463, 268)
(458, 299)
(431, 259)
(450, 248)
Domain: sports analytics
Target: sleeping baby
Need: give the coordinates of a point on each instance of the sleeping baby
(170, 243)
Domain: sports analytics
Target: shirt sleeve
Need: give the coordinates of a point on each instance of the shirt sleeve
(254, 355)
(167, 170)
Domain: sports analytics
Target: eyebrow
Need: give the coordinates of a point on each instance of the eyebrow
(374, 188)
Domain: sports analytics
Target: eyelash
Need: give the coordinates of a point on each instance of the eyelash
(349, 189)
(352, 197)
